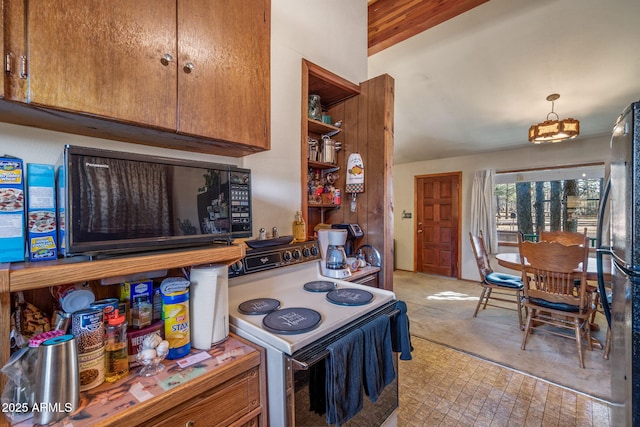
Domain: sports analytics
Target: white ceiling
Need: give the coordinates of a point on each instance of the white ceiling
(476, 83)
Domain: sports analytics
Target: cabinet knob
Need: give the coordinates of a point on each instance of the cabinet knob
(190, 423)
(188, 67)
(419, 231)
(166, 59)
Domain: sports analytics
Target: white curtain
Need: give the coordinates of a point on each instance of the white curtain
(482, 210)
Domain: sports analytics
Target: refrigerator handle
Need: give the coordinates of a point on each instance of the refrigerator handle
(602, 250)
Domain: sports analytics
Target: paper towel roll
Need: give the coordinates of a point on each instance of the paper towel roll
(209, 305)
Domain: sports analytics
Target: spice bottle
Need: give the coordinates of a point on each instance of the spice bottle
(116, 353)
(141, 312)
(157, 305)
(299, 228)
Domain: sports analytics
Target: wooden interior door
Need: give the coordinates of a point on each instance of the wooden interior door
(437, 224)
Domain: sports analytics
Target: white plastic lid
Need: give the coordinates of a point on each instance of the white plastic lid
(77, 300)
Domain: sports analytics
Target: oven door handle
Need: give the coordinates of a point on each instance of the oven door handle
(299, 365)
(304, 366)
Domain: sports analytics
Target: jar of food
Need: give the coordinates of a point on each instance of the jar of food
(141, 312)
(315, 108)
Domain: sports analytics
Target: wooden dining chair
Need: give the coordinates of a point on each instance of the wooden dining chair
(554, 303)
(564, 237)
(495, 286)
(572, 238)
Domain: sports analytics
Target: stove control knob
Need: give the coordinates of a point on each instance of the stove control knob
(296, 254)
(305, 252)
(287, 256)
(236, 267)
(314, 250)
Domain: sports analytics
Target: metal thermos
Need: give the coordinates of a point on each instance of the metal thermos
(57, 390)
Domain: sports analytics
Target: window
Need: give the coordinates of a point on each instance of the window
(564, 198)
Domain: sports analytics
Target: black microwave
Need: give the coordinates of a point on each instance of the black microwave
(115, 202)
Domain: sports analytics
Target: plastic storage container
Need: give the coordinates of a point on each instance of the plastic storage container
(116, 354)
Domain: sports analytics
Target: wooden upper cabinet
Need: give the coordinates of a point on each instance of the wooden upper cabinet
(224, 70)
(186, 74)
(105, 58)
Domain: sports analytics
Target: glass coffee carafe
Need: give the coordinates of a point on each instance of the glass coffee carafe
(336, 257)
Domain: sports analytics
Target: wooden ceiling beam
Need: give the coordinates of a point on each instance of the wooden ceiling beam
(392, 21)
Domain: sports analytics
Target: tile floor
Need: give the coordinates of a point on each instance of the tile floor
(444, 387)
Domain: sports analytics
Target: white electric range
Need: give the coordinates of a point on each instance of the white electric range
(274, 291)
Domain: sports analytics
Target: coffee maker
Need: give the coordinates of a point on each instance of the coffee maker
(334, 259)
(353, 232)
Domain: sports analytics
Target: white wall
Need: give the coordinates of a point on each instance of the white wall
(566, 153)
(330, 33)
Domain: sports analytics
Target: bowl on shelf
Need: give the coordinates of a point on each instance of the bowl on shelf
(150, 365)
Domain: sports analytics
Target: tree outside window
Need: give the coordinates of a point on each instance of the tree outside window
(526, 202)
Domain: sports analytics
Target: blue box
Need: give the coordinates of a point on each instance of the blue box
(12, 232)
(41, 212)
(130, 290)
(60, 186)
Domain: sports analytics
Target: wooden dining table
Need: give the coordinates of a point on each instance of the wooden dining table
(511, 260)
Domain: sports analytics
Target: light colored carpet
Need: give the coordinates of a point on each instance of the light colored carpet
(441, 310)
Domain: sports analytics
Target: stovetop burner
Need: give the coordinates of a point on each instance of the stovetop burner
(293, 320)
(319, 286)
(349, 296)
(259, 306)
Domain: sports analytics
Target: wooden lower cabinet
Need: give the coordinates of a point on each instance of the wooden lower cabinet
(366, 276)
(234, 403)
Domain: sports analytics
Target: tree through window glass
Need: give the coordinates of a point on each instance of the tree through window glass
(555, 199)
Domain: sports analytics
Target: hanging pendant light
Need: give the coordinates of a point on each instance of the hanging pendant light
(554, 130)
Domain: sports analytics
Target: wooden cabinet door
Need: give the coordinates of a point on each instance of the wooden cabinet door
(104, 58)
(224, 70)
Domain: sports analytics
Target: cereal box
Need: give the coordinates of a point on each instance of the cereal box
(62, 249)
(41, 212)
(12, 232)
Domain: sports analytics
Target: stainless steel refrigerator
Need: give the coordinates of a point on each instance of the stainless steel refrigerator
(618, 242)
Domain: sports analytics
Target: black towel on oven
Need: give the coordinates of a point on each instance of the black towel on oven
(378, 357)
(317, 388)
(400, 335)
(344, 377)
